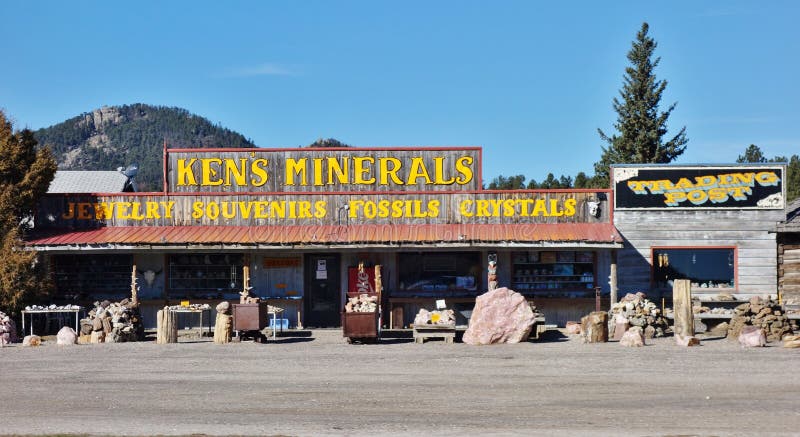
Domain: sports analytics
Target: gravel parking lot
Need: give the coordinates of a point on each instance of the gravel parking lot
(318, 385)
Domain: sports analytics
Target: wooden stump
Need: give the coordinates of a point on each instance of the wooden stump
(166, 327)
(223, 328)
(682, 308)
(594, 327)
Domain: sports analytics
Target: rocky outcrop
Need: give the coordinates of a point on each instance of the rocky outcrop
(116, 322)
(8, 330)
(763, 314)
(363, 303)
(499, 316)
(636, 310)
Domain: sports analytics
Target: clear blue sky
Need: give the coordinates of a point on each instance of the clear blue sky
(529, 81)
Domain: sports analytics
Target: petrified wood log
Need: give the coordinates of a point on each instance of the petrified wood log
(166, 327)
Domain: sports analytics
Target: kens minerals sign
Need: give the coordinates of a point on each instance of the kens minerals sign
(323, 170)
(698, 187)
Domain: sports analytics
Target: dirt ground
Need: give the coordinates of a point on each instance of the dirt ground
(319, 385)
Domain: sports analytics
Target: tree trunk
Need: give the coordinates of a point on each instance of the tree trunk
(223, 328)
(682, 308)
(166, 327)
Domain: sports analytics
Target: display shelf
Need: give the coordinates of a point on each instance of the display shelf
(90, 274)
(205, 274)
(547, 271)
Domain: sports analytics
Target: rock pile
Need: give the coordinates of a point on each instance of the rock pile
(363, 303)
(8, 330)
(51, 307)
(761, 313)
(194, 306)
(443, 317)
(636, 310)
(116, 322)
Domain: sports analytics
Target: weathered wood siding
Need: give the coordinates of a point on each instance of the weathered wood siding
(517, 207)
(324, 170)
(746, 230)
(789, 272)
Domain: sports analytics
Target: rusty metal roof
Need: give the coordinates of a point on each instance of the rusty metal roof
(332, 235)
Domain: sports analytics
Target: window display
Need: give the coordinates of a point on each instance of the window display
(705, 268)
(439, 273)
(92, 276)
(205, 275)
(552, 272)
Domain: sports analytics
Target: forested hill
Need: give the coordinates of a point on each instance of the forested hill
(117, 136)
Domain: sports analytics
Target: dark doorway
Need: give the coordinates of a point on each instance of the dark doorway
(322, 293)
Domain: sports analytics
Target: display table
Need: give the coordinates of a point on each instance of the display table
(447, 332)
(199, 311)
(48, 311)
(297, 301)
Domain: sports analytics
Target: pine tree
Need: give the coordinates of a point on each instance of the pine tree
(752, 154)
(25, 175)
(640, 125)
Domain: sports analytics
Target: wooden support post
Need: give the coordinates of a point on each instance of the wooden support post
(166, 327)
(134, 291)
(613, 279)
(682, 308)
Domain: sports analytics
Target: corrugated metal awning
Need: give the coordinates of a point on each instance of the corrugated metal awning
(388, 234)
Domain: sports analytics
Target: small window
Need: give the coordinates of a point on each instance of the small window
(712, 268)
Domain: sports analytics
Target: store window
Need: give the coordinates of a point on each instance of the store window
(439, 273)
(553, 273)
(81, 277)
(211, 276)
(705, 267)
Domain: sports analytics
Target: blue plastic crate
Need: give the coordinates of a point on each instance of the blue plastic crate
(279, 323)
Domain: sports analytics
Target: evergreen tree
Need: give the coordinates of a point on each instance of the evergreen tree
(640, 125)
(581, 181)
(507, 183)
(25, 175)
(752, 154)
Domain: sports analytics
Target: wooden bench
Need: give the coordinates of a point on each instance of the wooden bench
(447, 332)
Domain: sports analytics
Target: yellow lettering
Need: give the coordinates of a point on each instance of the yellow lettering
(336, 169)
(83, 211)
(540, 208)
(238, 174)
(167, 208)
(295, 168)
(70, 214)
(439, 172)
(417, 171)
(197, 210)
(463, 167)
(209, 173)
(361, 166)
(185, 173)
(386, 172)
(259, 175)
(320, 209)
(152, 210)
(466, 208)
(569, 207)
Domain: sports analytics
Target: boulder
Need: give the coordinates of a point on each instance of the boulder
(499, 316)
(633, 337)
(66, 336)
(594, 327)
(31, 340)
(752, 336)
(573, 328)
(686, 341)
(791, 341)
(649, 332)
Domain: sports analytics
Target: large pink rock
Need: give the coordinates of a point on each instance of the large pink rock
(66, 336)
(633, 337)
(752, 336)
(686, 341)
(499, 316)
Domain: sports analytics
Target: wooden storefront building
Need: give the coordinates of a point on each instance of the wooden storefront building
(296, 222)
(712, 224)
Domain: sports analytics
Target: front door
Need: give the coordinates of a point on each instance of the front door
(322, 293)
